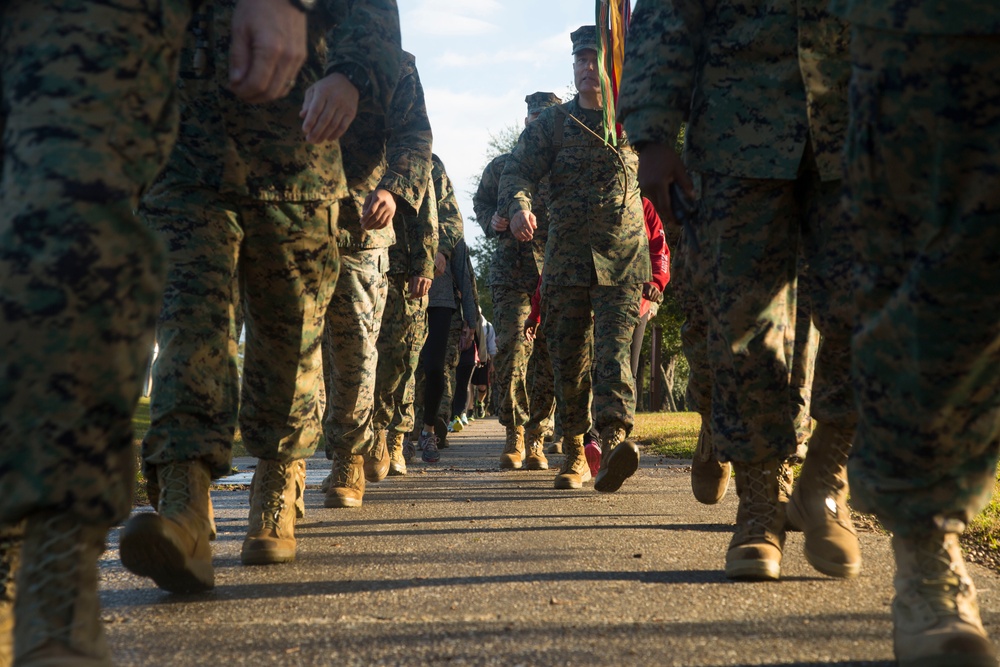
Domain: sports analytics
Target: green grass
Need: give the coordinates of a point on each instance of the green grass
(670, 434)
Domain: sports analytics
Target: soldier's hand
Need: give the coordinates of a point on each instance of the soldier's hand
(499, 224)
(467, 335)
(523, 225)
(440, 262)
(530, 329)
(329, 108)
(659, 166)
(651, 292)
(268, 48)
(419, 287)
(379, 208)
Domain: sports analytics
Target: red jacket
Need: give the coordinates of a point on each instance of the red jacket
(659, 260)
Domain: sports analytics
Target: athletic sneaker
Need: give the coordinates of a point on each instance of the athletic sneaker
(456, 425)
(428, 442)
(465, 420)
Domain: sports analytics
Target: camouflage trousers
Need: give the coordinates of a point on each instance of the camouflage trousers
(801, 346)
(922, 159)
(283, 257)
(451, 365)
(511, 308)
(404, 329)
(350, 355)
(87, 119)
(591, 327)
(541, 389)
(751, 233)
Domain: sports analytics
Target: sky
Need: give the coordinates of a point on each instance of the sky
(477, 59)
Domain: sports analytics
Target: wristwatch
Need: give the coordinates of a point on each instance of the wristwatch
(305, 6)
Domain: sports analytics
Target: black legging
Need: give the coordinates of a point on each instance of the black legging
(463, 374)
(434, 353)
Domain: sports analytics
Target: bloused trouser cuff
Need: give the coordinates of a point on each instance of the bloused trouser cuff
(511, 307)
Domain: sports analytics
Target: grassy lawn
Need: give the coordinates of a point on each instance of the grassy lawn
(670, 434)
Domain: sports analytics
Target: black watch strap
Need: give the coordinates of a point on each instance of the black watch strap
(305, 6)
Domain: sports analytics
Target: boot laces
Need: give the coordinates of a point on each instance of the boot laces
(272, 486)
(175, 489)
(761, 508)
(54, 581)
(833, 465)
(939, 576)
(511, 445)
(344, 473)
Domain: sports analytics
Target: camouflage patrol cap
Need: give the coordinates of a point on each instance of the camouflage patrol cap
(539, 101)
(584, 37)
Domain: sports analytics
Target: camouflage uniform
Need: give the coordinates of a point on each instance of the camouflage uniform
(596, 258)
(923, 197)
(244, 195)
(404, 321)
(80, 276)
(392, 152)
(513, 277)
(765, 188)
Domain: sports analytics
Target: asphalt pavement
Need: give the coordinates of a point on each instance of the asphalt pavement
(458, 563)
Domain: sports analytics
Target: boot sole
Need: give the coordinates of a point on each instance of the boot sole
(563, 483)
(147, 551)
(376, 476)
(753, 570)
(623, 461)
(536, 466)
(261, 556)
(796, 517)
(506, 464)
(332, 503)
(397, 472)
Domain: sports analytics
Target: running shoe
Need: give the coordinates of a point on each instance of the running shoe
(429, 446)
(592, 450)
(456, 425)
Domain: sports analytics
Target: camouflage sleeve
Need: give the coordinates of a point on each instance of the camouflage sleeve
(451, 229)
(484, 202)
(422, 235)
(367, 38)
(528, 163)
(408, 150)
(661, 57)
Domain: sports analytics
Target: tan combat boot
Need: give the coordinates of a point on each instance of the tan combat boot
(377, 459)
(554, 447)
(934, 614)
(755, 550)
(513, 451)
(575, 470)
(535, 460)
(397, 464)
(818, 506)
(347, 485)
(171, 546)
(57, 608)
(271, 531)
(709, 476)
(11, 538)
(619, 462)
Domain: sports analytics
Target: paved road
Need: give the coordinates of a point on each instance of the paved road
(461, 564)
